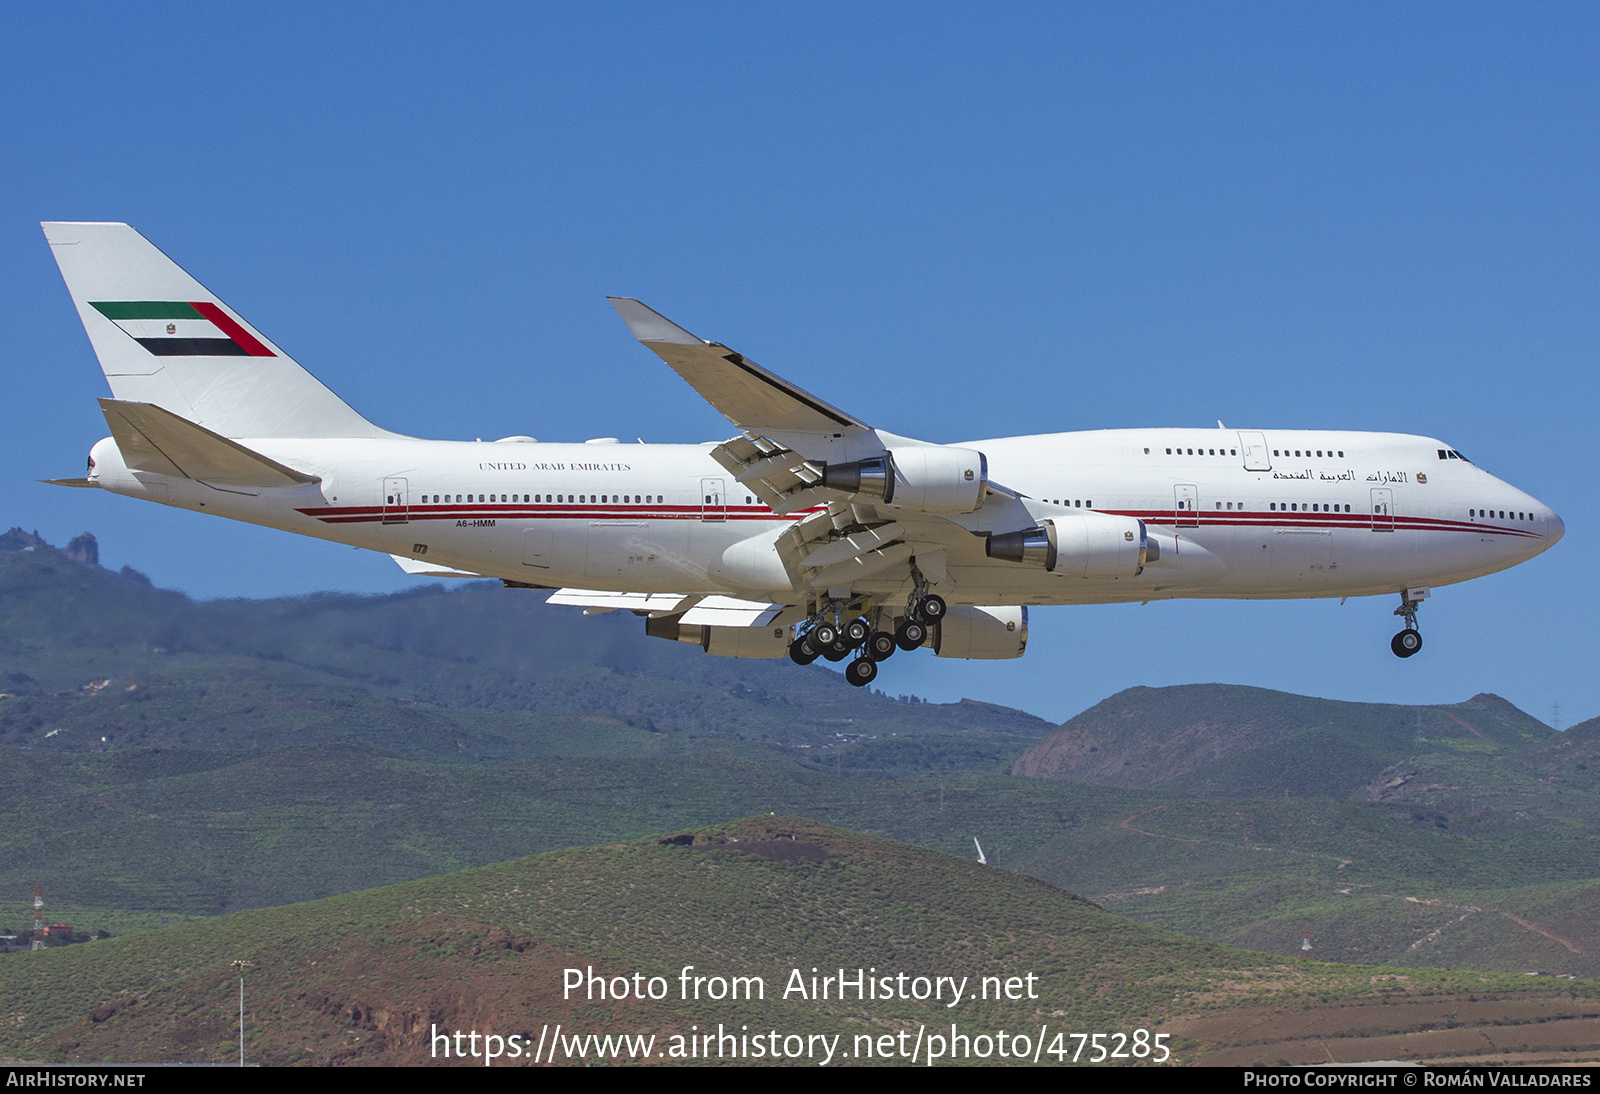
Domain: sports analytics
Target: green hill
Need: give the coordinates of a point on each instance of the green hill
(166, 760)
(368, 977)
(1216, 739)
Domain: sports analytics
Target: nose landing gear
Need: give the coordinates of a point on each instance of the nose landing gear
(1408, 641)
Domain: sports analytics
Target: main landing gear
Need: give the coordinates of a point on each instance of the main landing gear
(1408, 641)
(836, 640)
(921, 612)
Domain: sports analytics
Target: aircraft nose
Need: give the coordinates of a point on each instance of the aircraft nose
(1555, 529)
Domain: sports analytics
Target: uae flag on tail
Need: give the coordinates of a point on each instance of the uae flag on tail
(174, 328)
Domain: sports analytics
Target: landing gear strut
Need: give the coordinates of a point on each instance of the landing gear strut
(1408, 641)
(922, 606)
(826, 633)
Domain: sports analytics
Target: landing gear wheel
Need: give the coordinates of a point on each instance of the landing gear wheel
(838, 651)
(1406, 643)
(861, 672)
(823, 635)
(931, 608)
(881, 646)
(856, 631)
(802, 652)
(910, 635)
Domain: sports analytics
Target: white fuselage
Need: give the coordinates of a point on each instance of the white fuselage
(1239, 514)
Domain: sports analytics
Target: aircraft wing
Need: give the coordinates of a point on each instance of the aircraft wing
(789, 438)
(789, 435)
(755, 400)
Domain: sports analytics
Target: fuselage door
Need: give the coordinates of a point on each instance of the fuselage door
(394, 502)
(1186, 507)
(1253, 446)
(1383, 509)
(714, 505)
(538, 544)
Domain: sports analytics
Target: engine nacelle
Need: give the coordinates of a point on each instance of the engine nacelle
(928, 479)
(722, 641)
(1090, 545)
(982, 634)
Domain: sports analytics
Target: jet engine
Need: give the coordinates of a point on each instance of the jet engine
(1089, 544)
(722, 641)
(929, 479)
(982, 634)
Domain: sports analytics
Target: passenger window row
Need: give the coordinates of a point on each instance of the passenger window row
(620, 499)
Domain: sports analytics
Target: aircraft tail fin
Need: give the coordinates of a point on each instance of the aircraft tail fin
(164, 339)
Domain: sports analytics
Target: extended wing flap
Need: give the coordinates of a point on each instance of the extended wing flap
(157, 440)
(725, 611)
(655, 603)
(748, 395)
(783, 479)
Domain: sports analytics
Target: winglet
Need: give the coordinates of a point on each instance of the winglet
(649, 325)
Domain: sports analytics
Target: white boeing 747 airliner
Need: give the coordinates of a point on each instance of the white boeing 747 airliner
(811, 532)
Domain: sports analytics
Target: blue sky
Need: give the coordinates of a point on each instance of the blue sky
(955, 221)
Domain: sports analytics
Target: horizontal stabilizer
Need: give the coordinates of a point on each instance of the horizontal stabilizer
(725, 611)
(416, 567)
(749, 396)
(80, 483)
(156, 440)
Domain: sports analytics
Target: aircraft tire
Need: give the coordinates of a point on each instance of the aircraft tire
(910, 635)
(881, 646)
(857, 631)
(838, 651)
(823, 635)
(801, 652)
(861, 672)
(1406, 643)
(932, 608)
